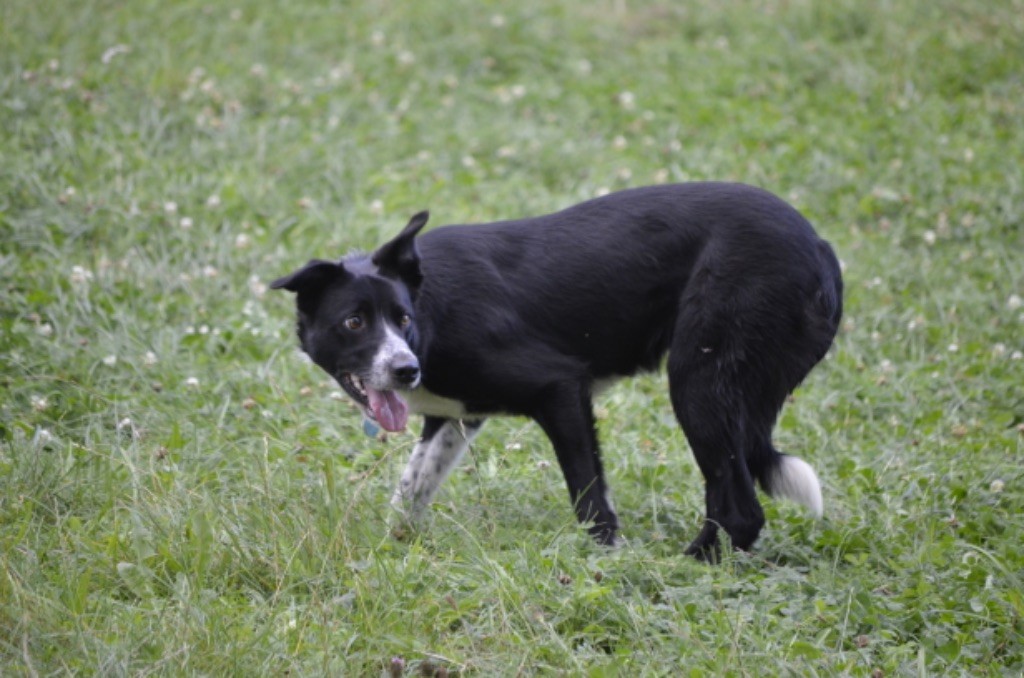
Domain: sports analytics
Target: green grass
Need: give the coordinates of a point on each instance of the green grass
(181, 495)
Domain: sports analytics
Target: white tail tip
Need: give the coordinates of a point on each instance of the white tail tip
(796, 480)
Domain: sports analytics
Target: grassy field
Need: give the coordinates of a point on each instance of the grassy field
(180, 494)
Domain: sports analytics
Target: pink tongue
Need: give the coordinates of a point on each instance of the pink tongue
(388, 409)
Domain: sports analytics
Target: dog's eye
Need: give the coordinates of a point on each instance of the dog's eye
(355, 323)
(404, 320)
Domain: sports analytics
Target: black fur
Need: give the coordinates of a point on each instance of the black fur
(523, 317)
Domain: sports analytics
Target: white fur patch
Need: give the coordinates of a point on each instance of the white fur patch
(797, 481)
(393, 349)
(431, 462)
(422, 401)
(601, 385)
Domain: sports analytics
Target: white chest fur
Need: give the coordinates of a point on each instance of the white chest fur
(422, 401)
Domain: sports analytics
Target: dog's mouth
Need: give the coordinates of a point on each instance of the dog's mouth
(387, 408)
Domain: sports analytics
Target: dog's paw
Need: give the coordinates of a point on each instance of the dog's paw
(401, 527)
(404, 518)
(618, 542)
(705, 547)
(401, 532)
(605, 535)
(705, 553)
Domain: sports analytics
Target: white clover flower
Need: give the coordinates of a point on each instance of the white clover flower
(258, 70)
(377, 207)
(498, 21)
(339, 72)
(619, 143)
(44, 329)
(256, 286)
(110, 360)
(39, 403)
(1014, 302)
(210, 271)
(149, 359)
(213, 201)
(406, 58)
(111, 52)
(627, 100)
(997, 486)
(242, 241)
(186, 223)
(192, 382)
(929, 237)
(80, 275)
(43, 436)
(171, 207)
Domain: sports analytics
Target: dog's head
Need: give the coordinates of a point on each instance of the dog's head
(356, 321)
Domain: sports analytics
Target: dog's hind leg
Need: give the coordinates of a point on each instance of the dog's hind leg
(708, 380)
(714, 423)
(439, 450)
(566, 415)
(731, 365)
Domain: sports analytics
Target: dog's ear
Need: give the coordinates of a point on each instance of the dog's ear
(399, 256)
(311, 277)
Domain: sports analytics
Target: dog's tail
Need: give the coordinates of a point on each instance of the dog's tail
(794, 479)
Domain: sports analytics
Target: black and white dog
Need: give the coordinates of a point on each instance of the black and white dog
(532, 317)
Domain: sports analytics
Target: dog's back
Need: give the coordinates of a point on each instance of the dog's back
(603, 281)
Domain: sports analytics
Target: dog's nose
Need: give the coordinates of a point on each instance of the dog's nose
(407, 373)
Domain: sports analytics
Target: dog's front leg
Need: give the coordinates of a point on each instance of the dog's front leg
(566, 415)
(439, 450)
